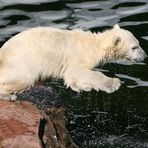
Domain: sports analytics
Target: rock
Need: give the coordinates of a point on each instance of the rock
(43, 96)
(19, 122)
(23, 125)
(55, 130)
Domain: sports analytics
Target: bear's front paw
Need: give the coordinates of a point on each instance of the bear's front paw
(111, 85)
(81, 87)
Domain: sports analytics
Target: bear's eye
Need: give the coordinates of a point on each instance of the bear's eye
(135, 47)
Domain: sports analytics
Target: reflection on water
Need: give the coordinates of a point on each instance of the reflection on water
(138, 81)
(94, 119)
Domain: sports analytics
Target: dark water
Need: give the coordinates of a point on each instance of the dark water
(95, 119)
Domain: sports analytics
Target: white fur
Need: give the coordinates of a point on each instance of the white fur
(44, 52)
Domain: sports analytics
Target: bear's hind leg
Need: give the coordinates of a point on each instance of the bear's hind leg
(7, 96)
(7, 91)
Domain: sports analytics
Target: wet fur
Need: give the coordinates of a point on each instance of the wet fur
(44, 52)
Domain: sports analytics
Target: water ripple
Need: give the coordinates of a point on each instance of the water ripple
(138, 81)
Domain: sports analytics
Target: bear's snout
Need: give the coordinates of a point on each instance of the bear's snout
(140, 55)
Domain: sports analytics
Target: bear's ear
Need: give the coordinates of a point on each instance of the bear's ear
(116, 40)
(116, 26)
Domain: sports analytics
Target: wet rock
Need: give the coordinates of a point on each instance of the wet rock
(43, 96)
(55, 133)
(23, 125)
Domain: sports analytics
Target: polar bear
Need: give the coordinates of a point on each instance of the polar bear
(44, 52)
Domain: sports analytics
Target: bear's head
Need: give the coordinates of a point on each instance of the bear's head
(126, 46)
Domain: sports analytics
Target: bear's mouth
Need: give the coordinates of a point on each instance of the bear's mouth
(126, 62)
